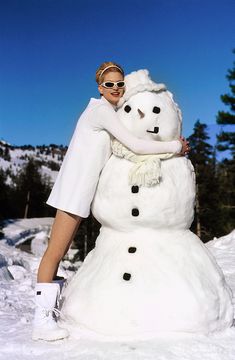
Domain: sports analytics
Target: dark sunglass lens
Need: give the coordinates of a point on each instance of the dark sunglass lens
(109, 84)
(120, 84)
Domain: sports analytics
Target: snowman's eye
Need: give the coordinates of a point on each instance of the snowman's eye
(156, 109)
(127, 108)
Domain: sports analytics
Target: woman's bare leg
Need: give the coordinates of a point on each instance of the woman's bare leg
(63, 231)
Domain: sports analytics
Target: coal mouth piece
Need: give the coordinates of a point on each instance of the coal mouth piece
(154, 131)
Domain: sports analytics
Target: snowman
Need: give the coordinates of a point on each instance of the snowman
(148, 273)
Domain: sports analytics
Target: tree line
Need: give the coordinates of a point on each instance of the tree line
(215, 199)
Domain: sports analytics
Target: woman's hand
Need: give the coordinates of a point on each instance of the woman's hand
(185, 146)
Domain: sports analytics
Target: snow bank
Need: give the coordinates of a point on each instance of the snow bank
(223, 249)
(17, 302)
(18, 231)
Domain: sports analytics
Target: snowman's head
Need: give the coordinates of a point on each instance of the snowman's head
(148, 109)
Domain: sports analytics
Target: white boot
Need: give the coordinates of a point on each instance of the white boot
(44, 324)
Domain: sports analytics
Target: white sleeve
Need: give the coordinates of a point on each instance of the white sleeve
(107, 119)
(77, 179)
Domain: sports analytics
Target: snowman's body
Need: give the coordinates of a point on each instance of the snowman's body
(148, 272)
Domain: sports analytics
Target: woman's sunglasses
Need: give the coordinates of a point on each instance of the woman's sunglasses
(111, 84)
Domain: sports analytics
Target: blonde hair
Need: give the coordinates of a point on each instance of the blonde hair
(106, 67)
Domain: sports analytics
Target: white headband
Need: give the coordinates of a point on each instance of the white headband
(108, 67)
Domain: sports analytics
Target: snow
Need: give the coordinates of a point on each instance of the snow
(170, 282)
(17, 278)
(19, 157)
(18, 231)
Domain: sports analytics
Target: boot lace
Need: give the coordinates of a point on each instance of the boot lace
(55, 313)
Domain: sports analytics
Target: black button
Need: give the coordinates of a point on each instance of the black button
(126, 276)
(135, 212)
(132, 249)
(135, 189)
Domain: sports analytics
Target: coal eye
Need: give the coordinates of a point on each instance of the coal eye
(156, 110)
(127, 108)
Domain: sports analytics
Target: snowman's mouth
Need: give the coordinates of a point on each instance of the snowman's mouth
(154, 131)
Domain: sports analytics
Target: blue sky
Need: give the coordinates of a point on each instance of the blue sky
(50, 50)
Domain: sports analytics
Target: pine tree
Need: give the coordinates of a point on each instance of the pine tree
(4, 196)
(226, 194)
(31, 192)
(205, 223)
(226, 142)
(86, 236)
(6, 153)
(226, 139)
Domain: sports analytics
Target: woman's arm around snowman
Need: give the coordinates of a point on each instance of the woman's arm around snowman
(107, 119)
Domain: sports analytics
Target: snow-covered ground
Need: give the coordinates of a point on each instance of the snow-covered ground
(17, 277)
(19, 157)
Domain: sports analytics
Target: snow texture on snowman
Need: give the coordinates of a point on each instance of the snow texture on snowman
(148, 273)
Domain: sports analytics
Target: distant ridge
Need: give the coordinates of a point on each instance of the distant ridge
(48, 157)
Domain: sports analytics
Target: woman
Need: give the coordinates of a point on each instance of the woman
(76, 183)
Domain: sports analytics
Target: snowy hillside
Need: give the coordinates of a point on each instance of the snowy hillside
(18, 275)
(13, 158)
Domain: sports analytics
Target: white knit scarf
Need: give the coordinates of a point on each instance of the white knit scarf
(147, 168)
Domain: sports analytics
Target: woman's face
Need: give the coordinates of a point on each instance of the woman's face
(115, 93)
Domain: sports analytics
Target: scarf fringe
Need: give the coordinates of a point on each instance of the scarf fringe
(146, 170)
